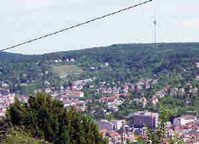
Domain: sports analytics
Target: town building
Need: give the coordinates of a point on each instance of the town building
(75, 94)
(142, 118)
(183, 120)
(113, 125)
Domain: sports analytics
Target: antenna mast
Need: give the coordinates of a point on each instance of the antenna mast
(155, 32)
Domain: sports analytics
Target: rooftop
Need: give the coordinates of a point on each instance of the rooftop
(145, 113)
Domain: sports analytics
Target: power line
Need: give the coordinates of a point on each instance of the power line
(74, 26)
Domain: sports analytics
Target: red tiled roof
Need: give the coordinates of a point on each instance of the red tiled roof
(180, 128)
(131, 138)
(108, 98)
(190, 123)
(180, 134)
(124, 94)
(143, 136)
(196, 127)
(112, 134)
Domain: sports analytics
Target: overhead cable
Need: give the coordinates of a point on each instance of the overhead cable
(74, 26)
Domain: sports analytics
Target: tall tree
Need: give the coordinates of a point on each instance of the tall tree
(46, 117)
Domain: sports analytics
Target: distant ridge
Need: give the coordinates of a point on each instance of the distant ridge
(7, 56)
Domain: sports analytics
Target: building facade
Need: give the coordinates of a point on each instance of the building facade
(145, 118)
(183, 120)
(110, 126)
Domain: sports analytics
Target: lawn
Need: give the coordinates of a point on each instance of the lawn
(64, 70)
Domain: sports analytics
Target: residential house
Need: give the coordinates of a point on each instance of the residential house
(5, 85)
(72, 59)
(153, 101)
(181, 92)
(69, 102)
(195, 90)
(2, 113)
(197, 78)
(173, 91)
(143, 101)
(106, 64)
(23, 98)
(159, 94)
(197, 64)
(48, 90)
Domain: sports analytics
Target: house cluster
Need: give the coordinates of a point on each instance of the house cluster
(106, 89)
(172, 91)
(64, 60)
(185, 127)
(67, 96)
(7, 98)
(114, 92)
(78, 85)
(112, 101)
(155, 98)
(182, 91)
(94, 68)
(143, 84)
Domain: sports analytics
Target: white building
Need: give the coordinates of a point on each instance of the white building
(183, 120)
(2, 114)
(5, 85)
(113, 125)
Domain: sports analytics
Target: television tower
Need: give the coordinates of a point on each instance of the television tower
(155, 33)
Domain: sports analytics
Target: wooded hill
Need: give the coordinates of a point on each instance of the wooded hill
(170, 62)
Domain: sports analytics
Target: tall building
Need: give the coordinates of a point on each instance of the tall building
(142, 118)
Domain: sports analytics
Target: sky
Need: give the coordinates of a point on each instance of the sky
(21, 20)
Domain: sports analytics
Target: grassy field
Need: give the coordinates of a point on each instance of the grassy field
(63, 70)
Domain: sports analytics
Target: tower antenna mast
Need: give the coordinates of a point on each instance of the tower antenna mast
(155, 32)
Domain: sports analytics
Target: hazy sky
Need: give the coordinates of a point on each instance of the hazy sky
(178, 21)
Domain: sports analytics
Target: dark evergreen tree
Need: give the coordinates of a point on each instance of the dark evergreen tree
(45, 117)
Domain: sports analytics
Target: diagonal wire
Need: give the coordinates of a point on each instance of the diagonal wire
(74, 26)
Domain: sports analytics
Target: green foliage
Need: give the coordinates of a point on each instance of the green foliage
(141, 141)
(176, 140)
(46, 118)
(19, 137)
(62, 70)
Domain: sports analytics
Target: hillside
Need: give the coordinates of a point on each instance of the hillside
(171, 62)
